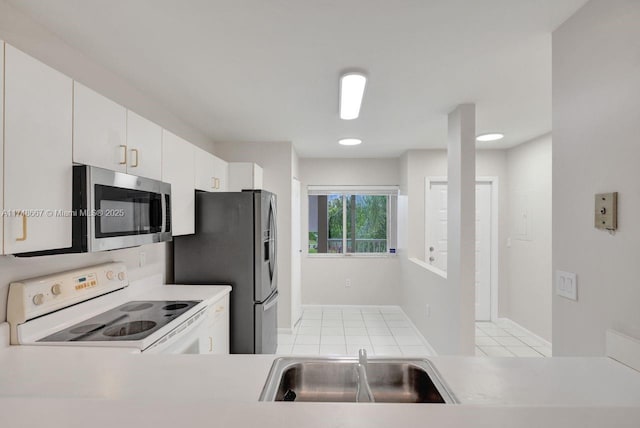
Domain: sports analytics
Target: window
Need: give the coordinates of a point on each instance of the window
(353, 220)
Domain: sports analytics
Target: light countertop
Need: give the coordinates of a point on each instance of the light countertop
(168, 390)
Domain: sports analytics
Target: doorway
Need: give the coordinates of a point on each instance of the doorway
(486, 285)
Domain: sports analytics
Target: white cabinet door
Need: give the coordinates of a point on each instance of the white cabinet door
(37, 151)
(221, 173)
(216, 341)
(244, 175)
(205, 175)
(99, 130)
(144, 142)
(178, 170)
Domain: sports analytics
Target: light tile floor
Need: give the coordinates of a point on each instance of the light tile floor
(505, 339)
(336, 330)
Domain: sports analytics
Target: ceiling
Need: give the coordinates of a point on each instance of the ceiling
(267, 70)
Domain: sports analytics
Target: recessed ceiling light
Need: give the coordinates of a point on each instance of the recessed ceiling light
(493, 136)
(349, 141)
(351, 93)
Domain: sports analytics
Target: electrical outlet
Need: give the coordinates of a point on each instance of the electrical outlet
(347, 283)
(566, 285)
(427, 310)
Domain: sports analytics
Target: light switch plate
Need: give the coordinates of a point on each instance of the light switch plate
(566, 285)
(606, 211)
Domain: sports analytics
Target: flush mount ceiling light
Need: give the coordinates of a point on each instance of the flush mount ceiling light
(351, 93)
(493, 136)
(349, 141)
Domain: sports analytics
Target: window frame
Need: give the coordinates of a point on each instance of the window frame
(344, 192)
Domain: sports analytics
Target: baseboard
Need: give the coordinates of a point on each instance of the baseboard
(624, 349)
(529, 332)
(317, 307)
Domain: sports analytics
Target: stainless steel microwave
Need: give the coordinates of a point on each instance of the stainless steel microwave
(113, 210)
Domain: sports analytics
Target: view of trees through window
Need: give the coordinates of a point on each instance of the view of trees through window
(365, 218)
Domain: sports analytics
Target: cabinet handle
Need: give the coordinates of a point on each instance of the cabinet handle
(24, 227)
(213, 182)
(217, 183)
(135, 152)
(210, 344)
(124, 162)
(220, 309)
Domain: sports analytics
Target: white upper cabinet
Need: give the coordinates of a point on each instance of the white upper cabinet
(144, 145)
(37, 154)
(99, 130)
(244, 175)
(211, 172)
(221, 173)
(178, 168)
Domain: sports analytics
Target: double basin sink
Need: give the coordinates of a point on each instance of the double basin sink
(395, 380)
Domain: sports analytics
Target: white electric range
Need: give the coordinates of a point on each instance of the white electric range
(96, 307)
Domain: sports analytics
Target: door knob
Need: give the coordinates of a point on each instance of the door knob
(431, 249)
(432, 259)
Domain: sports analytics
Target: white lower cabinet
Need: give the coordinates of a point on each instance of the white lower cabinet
(178, 170)
(38, 113)
(215, 338)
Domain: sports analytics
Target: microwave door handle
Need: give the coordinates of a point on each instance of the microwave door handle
(163, 213)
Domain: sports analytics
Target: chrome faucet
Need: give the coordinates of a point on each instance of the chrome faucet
(363, 391)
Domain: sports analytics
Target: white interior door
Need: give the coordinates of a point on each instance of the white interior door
(483, 251)
(296, 255)
(436, 239)
(436, 227)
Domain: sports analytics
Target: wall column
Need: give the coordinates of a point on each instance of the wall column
(461, 234)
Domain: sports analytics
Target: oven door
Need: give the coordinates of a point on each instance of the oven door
(184, 339)
(125, 210)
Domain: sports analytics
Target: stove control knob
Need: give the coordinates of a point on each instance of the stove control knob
(110, 275)
(121, 276)
(56, 289)
(38, 299)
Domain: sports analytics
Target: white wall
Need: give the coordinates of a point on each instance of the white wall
(596, 148)
(277, 161)
(374, 281)
(529, 276)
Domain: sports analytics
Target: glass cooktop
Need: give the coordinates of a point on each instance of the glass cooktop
(133, 320)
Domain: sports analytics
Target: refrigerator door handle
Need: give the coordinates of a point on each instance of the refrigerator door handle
(272, 301)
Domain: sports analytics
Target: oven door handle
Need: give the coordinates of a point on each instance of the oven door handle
(180, 333)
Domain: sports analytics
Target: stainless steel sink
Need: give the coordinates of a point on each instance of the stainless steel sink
(394, 380)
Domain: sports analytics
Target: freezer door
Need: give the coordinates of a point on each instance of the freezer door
(266, 245)
(266, 327)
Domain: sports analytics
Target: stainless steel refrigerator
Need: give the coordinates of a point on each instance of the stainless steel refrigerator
(235, 243)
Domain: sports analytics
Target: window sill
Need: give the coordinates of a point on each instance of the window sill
(351, 256)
